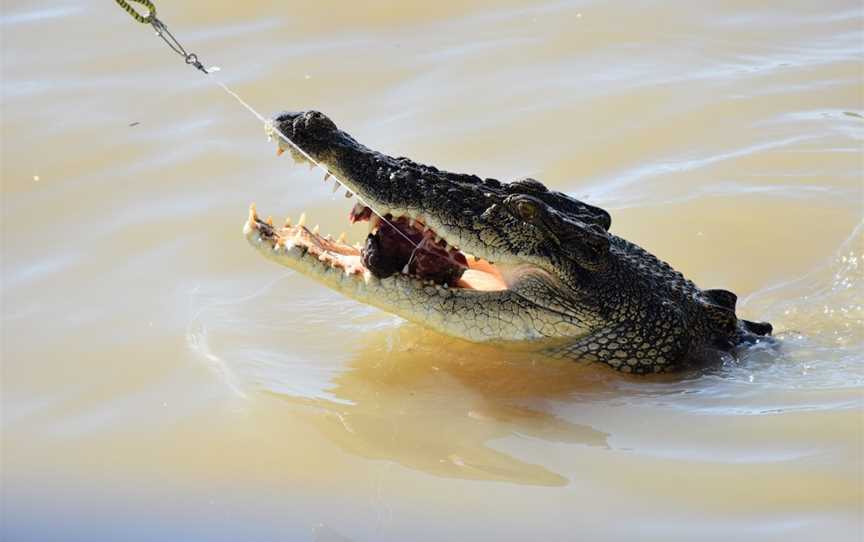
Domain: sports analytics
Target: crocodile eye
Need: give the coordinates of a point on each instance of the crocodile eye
(527, 210)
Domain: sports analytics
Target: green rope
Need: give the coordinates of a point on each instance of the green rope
(145, 19)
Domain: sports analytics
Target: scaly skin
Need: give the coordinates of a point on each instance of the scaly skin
(573, 289)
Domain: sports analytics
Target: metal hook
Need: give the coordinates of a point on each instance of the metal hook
(175, 45)
(161, 30)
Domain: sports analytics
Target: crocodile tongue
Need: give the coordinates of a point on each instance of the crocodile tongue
(402, 248)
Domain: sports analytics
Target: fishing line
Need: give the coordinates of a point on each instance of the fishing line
(192, 59)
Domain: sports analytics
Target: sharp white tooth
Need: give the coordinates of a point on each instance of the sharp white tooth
(326, 176)
(444, 286)
(328, 237)
(269, 220)
(287, 221)
(315, 229)
(348, 194)
(405, 270)
(252, 216)
(374, 224)
(302, 221)
(341, 238)
(336, 187)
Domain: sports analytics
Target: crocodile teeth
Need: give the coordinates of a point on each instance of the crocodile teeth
(341, 238)
(356, 211)
(253, 216)
(374, 224)
(302, 221)
(348, 194)
(336, 187)
(287, 221)
(316, 229)
(269, 221)
(326, 176)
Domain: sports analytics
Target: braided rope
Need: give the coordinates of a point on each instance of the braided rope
(145, 19)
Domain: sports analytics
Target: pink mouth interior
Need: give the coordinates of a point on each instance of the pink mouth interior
(402, 245)
(397, 245)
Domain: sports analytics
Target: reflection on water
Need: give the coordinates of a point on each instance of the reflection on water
(437, 408)
(161, 381)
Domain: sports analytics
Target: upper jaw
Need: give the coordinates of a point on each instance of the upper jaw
(452, 205)
(387, 185)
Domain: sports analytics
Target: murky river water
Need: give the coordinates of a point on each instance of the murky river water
(162, 381)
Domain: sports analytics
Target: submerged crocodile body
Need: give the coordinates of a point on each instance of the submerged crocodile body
(498, 262)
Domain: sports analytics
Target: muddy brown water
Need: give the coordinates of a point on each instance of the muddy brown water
(162, 381)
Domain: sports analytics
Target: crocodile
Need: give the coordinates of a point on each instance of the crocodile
(488, 261)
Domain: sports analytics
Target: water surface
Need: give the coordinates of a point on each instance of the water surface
(162, 381)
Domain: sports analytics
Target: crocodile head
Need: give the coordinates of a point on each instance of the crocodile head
(477, 258)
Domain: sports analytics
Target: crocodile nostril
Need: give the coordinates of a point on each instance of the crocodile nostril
(319, 122)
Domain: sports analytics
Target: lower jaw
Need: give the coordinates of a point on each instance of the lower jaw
(457, 312)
